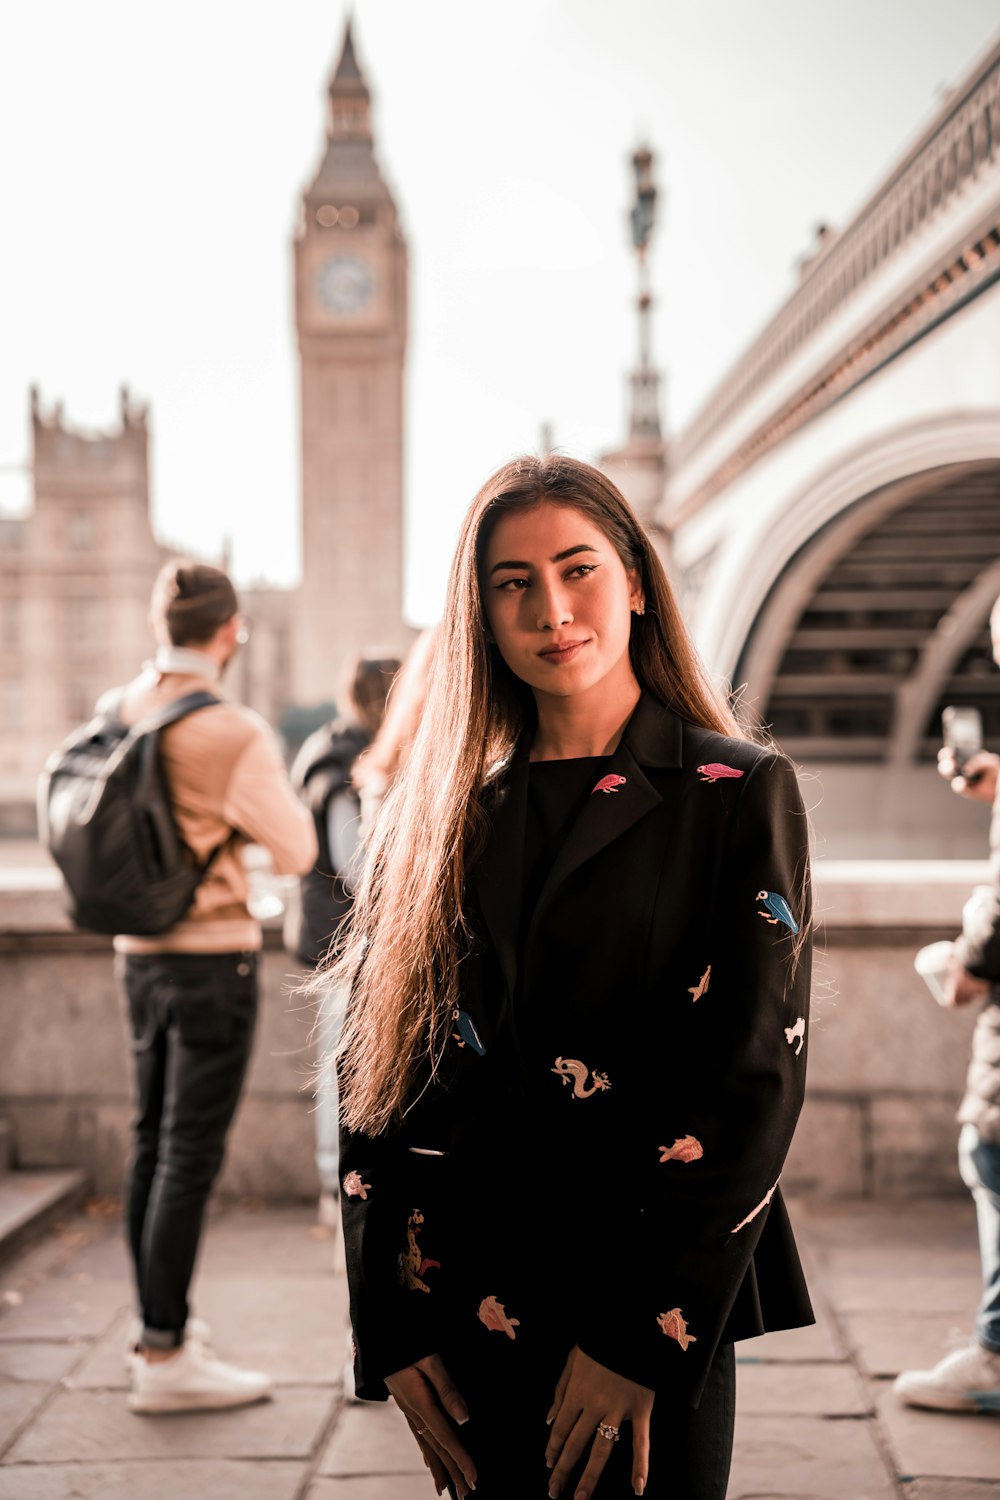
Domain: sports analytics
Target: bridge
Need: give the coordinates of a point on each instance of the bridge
(834, 506)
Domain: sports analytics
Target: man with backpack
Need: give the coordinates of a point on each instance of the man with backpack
(191, 990)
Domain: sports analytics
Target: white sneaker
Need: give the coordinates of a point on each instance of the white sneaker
(192, 1380)
(966, 1380)
(349, 1392)
(196, 1331)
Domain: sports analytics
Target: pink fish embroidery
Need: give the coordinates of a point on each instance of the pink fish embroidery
(354, 1187)
(752, 1215)
(493, 1316)
(571, 1070)
(675, 1327)
(609, 783)
(701, 988)
(685, 1148)
(714, 771)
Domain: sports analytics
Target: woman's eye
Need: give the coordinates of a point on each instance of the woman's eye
(583, 569)
(512, 585)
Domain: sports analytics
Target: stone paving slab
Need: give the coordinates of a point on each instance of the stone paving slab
(951, 1489)
(285, 1240)
(181, 1480)
(375, 1487)
(87, 1426)
(65, 1309)
(821, 1341)
(48, 1362)
(801, 1390)
(371, 1435)
(889, 1342)
(941, 1444)
(807, 1458)
(900, 1293)
(17, 1403)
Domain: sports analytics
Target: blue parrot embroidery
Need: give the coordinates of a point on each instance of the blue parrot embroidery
(467, 1033)
(778, 910)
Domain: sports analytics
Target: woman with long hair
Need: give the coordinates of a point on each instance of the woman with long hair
(574, 1055)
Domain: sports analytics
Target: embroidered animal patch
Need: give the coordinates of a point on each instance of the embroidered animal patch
(685, 1148)
(609, 783)
(493, 1316)
(796, 1033)
(701, 988)
(714, 771)
(467, 1033)
(412, 1263)
(753, 1214)
(675, 1327)
(571, 1070)
(778, 910)
(354, 1187)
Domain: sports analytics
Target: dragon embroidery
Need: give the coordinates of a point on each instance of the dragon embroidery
(571, 1070)
(701, 988)
(752, 1215)
(494, 1317)
(412, 1263)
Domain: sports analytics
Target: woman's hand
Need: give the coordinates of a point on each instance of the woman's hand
(427, 1397)
(589, 1395)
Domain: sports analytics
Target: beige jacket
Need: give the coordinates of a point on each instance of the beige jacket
(229, 787)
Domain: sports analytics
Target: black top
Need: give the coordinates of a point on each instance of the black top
(557, 790)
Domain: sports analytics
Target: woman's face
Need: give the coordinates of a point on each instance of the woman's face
(559, 601)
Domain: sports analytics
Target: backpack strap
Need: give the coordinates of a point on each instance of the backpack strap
(160, 718)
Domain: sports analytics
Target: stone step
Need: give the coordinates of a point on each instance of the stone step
(30, 1201)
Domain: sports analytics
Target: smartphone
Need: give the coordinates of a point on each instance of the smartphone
(963, 735)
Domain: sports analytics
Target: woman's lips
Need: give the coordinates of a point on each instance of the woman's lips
(559, 655)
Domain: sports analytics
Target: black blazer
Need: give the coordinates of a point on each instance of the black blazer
(598, 1155)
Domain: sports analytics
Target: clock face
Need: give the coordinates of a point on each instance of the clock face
(345, 284)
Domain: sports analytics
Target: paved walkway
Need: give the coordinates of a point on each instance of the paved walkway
(817, 1419)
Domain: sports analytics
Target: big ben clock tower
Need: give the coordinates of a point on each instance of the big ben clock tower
(350, 311)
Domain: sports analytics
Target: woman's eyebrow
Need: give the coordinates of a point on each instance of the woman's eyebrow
(559, 557)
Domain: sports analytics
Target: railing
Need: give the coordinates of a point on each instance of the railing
(956, 147)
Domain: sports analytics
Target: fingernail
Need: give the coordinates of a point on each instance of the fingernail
(460, 1415)
(582, 1495)
(640, 1485)
(551, 1416)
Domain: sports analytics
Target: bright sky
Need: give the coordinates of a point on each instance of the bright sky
(153, 157)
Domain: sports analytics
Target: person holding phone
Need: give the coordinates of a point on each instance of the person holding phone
(968, 1379)
(574, 1054)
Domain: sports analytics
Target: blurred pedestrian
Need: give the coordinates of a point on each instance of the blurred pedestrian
(968, 1379)
(376, 769)
(321, 775)
(574, 1054)
(192, 991)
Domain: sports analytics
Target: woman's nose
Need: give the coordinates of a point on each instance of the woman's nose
(554, 609)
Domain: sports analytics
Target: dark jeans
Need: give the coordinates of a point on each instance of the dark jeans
(192, 1021)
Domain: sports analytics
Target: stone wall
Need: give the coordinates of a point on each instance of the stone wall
(886, 1066)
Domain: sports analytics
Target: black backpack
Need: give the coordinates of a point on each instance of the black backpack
(105, 816)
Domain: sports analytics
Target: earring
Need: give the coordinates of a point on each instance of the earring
(640, 608)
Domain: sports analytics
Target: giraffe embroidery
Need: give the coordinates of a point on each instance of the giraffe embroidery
(493, 1316)
(685, 1148)
(714, 771)
(761, 1205)
(412, 1263)
(570, 1070)
(701, 988)
(354, 1187)
(796, 1033)
(675, 1327)
(609, 783)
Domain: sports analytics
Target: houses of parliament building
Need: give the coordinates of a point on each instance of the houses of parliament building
(76, 571)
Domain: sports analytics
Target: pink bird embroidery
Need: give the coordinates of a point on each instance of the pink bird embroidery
(685, 1148)
(609, 783)
(714, 771)
(675, 1327)
(493, 1316)
(354, 1187)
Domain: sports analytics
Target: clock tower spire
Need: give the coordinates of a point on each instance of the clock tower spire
(351, 319)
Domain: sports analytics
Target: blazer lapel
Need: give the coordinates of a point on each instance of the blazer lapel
(498, 873)
(622, 793)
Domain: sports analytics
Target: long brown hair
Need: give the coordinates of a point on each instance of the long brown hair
(408, 933)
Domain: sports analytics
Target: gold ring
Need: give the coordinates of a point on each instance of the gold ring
(608, 1432)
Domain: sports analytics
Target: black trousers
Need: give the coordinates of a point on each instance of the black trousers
(690, 1452)
(192, 1021)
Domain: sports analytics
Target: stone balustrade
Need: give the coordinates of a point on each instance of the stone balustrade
(886, 1064)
